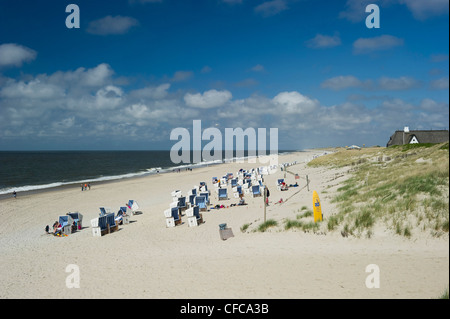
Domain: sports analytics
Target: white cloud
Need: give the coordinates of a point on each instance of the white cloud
(209, 99)
(342, 82)
(34, 90)
(440, 84)
(150, 92)
(424, 9)
(112, 25)
(206, 69)
(294, 102)
(61, 105)
(258, 68)
(96, 76)
(354, 10)
(12, 54)
(180, 76)
(397, 84)
(108, 97)
(323, 41)
(271, 8)
(380, 43)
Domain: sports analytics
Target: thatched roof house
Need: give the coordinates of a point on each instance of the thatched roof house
(411, 137)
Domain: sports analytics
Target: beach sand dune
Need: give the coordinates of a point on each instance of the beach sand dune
(144, 259)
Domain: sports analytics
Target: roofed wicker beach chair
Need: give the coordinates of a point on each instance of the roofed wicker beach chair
(194, 216)
(66, 223)
(200, 201)
(78, 220)
(173, 217)
(256, 191)
(223, 193)
(133, 206)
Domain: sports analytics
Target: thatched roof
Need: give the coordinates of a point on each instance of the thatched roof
(428, 136)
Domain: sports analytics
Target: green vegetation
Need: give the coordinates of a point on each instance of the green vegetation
(244, 227)
(300, 222)
(267, 224)
(403, 187)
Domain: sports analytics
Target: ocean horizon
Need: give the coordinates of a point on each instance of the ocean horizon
(24, 171)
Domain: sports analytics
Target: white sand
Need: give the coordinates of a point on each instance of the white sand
(147, 260)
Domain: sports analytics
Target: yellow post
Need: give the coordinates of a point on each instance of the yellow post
(316, 207)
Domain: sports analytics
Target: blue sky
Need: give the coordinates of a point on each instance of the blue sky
(136, 69)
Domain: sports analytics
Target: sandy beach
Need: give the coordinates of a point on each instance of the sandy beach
(145, 259)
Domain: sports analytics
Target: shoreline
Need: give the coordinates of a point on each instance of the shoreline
(108, 179)
(77, 184)
(153, 261)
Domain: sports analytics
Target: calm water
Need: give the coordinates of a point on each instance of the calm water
(25, 171)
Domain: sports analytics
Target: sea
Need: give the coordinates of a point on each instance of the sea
(24, 171)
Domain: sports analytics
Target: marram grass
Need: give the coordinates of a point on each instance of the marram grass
(406, 188)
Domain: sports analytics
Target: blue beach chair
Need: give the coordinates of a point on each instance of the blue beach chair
(256, 190)
(200, 201)
(197, 215)
(223, 193)
(176, 215)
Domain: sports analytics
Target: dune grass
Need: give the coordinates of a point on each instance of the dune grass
(403, 187)
(267, 224)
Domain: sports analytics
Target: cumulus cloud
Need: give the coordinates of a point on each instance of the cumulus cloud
(34, 90)
(321, 41)
(12, 54)
(398, 84)
(112, 25)
(294, 103)
(180, 76)
(62, 106)
(209, 99)
(258, 68)
(151, 92)
(423, 10)
(342, 82)
(380, 43)
(440, 84)
(354, 10)
(271, 8)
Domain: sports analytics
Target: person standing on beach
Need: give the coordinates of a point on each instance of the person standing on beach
(82, 187)
(15, 194)
(89, 185)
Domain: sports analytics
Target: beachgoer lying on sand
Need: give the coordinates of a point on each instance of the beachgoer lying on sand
(57, 228)
(294, 185)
